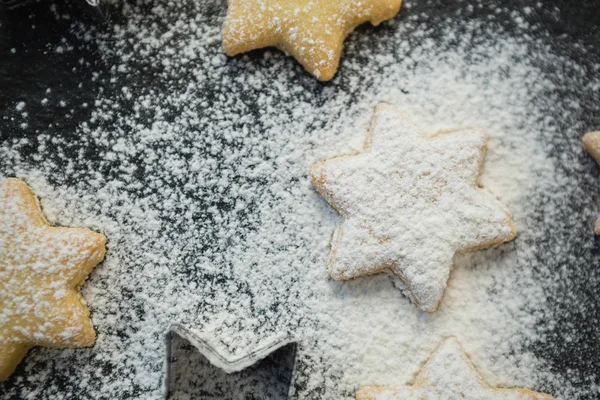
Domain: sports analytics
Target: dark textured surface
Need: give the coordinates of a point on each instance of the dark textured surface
(26, 73)
(30, 65)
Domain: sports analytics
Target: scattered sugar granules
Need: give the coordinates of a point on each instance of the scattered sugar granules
(198, 174)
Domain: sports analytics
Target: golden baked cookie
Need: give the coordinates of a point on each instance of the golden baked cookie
(591, 142)
(40, 269)
(313, 31)
(410, 203)
(448, 375)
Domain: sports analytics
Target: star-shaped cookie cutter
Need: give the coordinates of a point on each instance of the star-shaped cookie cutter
(224, 362)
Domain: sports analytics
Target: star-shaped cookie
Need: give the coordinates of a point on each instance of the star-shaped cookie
(40, 269)
(409, 204)
(591, 142)
(313, 31)
(448, 375)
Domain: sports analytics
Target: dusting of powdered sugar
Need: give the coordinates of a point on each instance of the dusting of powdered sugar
(409, 204)
(196, 168)
(448, 375)
(312, 31)
(39, 269)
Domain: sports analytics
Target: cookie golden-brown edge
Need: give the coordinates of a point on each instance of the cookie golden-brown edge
(72, 303)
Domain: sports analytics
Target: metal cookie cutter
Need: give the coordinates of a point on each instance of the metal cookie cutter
(97, 8)
(226, 363)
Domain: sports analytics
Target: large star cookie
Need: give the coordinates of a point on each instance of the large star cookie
(591, 142)
(40, 268)
(313, 31)
(448, 375)
(409, 204)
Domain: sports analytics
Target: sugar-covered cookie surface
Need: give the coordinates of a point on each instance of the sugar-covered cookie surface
(313, 31)
(409, 204)
(40, 268)
(448, 375)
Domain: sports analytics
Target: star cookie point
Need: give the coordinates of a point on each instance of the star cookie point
(409, 203)
(312, 31)
(591, 142)
(40, 269)
(448, 374)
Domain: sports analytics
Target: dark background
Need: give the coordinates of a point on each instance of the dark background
(29, 65)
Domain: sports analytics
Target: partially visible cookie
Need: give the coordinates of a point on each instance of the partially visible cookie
(410, 203)
(591, 142)
(40, 269)
(448, 375)
(313, 31)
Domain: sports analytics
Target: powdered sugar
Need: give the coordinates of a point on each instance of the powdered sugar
(448, 375)
(198, 175)
(312, 31)
(408, 204)
(39, 269)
